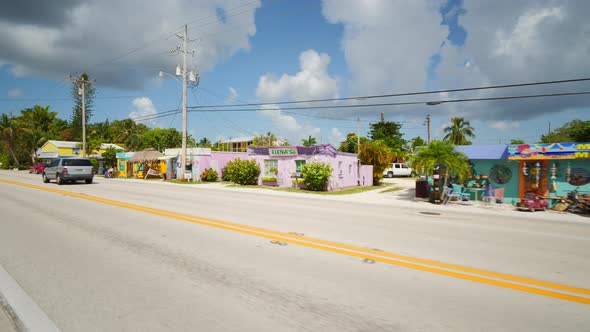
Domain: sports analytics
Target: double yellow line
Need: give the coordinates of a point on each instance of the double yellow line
(544, 288)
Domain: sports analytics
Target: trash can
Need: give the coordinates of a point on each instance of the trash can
(422, 188)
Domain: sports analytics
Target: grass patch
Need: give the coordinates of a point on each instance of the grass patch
(187, 182)
(390, 190)
(344, 191)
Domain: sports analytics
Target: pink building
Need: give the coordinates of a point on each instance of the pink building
(283, 163)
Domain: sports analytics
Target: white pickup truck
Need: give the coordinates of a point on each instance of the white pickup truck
(397, 169)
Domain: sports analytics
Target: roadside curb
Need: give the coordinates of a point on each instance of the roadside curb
(21, 309)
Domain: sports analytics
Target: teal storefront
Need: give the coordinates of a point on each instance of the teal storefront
(549, 170)
(490, 167)
(552, 170)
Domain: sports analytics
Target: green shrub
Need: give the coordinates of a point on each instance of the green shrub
(316, 175)
(209, 175)
(269, 179)
(243, 172)
(94, 163)
(225, 174)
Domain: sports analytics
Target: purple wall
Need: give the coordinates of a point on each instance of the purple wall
(217, 160)
(344, 174)
(344, 165)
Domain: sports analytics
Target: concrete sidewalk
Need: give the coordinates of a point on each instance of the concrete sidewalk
(6, 324)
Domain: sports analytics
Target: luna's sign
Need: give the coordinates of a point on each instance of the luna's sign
(282, 152)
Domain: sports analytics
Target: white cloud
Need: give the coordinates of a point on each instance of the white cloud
(232, 97)
(336, 137)
(15, 93)
(513, 42)
(312, 82)
(504, 125)
(387, 44)
(113, 43)
(143, 107)
(287, 126)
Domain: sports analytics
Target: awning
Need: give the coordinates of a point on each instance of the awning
(166, 157)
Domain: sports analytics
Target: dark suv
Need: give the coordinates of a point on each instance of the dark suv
(69, 169)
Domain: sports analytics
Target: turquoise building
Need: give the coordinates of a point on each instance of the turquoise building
(549, 170)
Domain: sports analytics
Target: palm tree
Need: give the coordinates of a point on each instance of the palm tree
(40, 122)
(441, 152)
(309, 141)
(459, 131)
(128, 133)
(9, 131)
(265, 140)
(205, 142)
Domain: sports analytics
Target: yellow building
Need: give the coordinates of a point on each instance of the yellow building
(55, 149)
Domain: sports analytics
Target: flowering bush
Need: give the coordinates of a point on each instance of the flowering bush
(209, 175)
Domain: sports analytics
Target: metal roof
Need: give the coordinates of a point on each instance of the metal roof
(497, 151)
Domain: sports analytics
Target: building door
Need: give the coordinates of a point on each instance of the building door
(533, 177)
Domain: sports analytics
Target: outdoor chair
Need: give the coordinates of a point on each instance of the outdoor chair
(494, 195)
(457, 189)
(448, 195)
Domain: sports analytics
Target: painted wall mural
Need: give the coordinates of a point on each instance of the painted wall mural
(500, 174)
(549, 151)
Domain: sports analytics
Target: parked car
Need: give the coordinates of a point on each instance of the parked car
(38, 168)
(533, 202)
(69, 170)
(397, 169)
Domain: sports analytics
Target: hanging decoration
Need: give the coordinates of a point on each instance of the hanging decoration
(500, 174)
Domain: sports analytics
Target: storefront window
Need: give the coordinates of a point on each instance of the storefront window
(298, 165)
(271, 167)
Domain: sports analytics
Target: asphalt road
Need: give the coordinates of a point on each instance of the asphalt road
(120, 255)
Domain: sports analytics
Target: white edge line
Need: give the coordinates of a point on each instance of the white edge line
(21, 307)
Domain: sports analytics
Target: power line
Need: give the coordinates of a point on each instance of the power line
(198, 109)
(406, 93)
(431, 103)
(63, 99)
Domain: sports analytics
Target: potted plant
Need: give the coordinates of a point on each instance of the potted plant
(298, 183)
(269, 181)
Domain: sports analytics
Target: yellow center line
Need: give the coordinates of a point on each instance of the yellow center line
(349, 250)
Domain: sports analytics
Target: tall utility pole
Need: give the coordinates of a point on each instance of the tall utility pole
(82, 91)
(428, 125)
(184, 115)
(186, 76)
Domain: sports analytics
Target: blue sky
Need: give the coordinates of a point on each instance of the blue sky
(279, 50)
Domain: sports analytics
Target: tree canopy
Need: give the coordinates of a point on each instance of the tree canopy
(573, 131)
(76, 118)
(378, 154)
(350, 145)
(389, 132)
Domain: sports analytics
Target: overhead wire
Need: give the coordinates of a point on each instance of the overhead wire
(405, 94)
(437, 102)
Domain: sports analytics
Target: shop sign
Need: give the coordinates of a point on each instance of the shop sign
(282, 152)
(544, 151)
